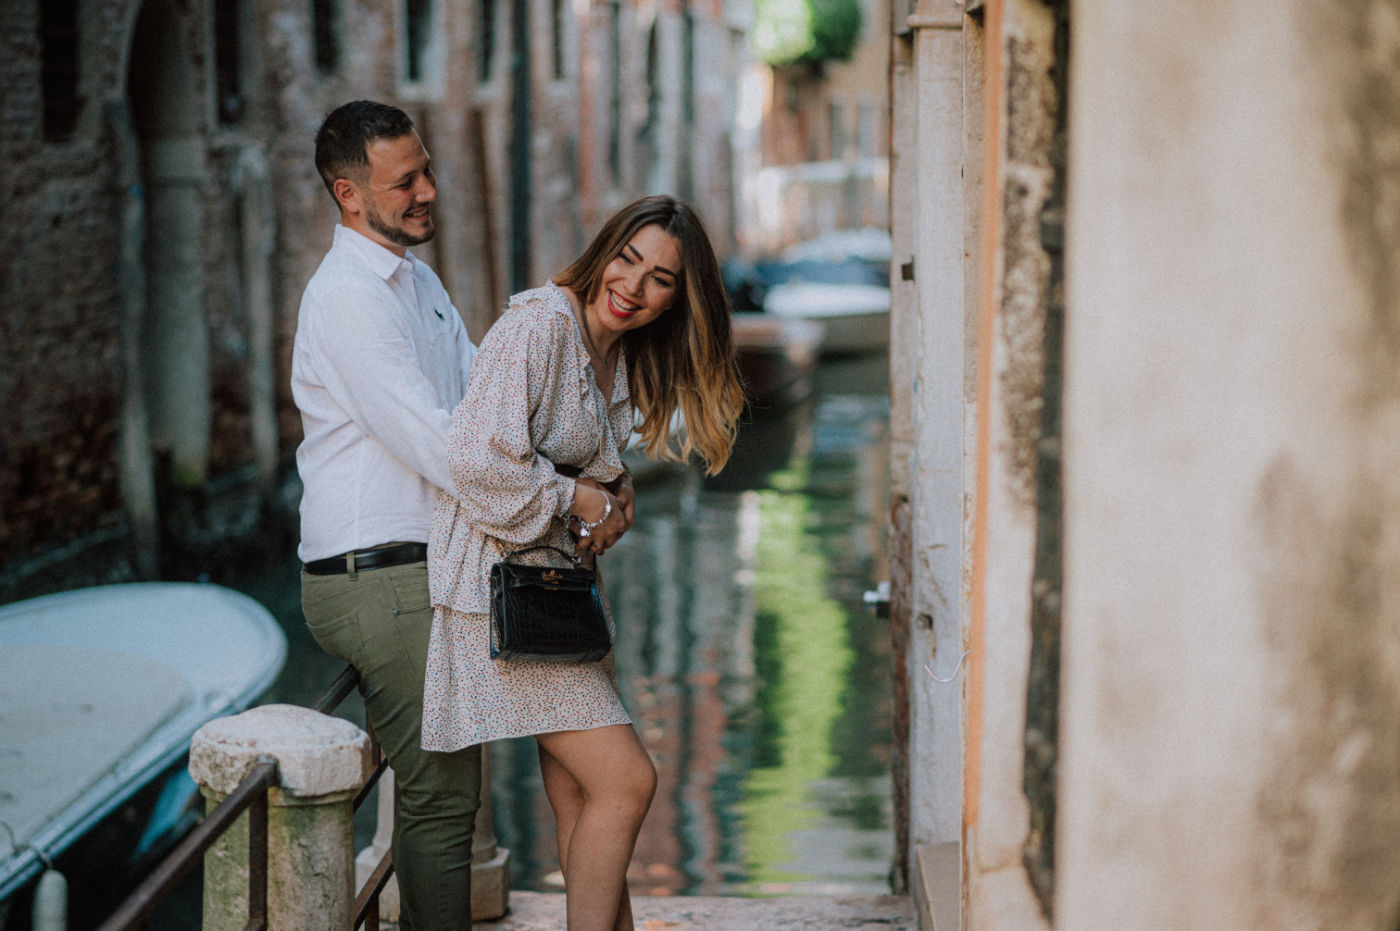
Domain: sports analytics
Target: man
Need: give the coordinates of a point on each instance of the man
(379, 362)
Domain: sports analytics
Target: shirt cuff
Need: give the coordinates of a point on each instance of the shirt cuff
(566, 498)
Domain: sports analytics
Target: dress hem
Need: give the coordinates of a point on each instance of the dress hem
(528, 733)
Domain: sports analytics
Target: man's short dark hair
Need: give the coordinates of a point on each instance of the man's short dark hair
(344, 137)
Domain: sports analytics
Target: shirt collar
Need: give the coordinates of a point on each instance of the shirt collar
(379, 259)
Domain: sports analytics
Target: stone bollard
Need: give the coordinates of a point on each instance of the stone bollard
(490, 864)
(322, 762)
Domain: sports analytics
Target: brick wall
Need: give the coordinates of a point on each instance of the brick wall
(60, 375)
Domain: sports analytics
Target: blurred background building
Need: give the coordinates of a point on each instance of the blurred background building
(164, 215)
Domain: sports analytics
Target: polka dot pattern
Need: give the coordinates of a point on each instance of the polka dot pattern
(496, 700)
(531, 402)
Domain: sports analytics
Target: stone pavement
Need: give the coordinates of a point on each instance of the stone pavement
(544, 911)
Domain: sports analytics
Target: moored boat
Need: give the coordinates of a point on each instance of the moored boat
(839, 280)
(855, 318)
(101, 690)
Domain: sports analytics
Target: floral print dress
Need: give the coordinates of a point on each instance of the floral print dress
(532, 403)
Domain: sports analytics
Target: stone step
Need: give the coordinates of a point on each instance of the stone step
(544, 911)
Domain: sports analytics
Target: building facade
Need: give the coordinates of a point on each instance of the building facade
(816, 143)
(1144, 390)
(165, 215)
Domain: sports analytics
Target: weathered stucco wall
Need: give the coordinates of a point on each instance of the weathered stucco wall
(1232, 592)
(976, 110)
(1009, 831)
(942, 353)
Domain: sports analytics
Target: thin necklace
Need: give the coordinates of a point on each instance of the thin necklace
(588, 339)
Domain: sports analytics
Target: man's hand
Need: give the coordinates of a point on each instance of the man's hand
(626, 496)
(618, 520)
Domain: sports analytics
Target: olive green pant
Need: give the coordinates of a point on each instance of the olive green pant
(379, 621)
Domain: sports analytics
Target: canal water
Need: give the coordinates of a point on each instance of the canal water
(756, 674)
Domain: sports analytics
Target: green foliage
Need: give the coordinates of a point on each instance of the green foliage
(835, 29)
(806, 32)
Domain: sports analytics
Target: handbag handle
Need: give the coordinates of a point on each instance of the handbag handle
(545, 546)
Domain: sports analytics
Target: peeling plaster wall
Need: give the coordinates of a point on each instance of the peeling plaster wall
(903, 303)
(1231, 678)
(939, 545)
(999, 892)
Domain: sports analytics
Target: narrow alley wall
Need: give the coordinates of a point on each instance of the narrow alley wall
(1232, 678)
(1174, 593)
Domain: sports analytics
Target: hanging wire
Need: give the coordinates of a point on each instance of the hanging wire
(951, 676)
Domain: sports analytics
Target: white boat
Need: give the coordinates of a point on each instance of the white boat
(101, 690)
(855, 317)
(840, 280)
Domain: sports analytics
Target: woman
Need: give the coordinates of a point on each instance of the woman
(638, 324)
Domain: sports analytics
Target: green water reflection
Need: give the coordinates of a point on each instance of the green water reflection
(803, 656)
(755, 674)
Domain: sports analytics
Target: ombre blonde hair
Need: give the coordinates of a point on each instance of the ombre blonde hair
(682, 361)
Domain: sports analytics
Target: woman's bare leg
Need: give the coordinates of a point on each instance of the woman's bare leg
(566, 798)
(602, 781)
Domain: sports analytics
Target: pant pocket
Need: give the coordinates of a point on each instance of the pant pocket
(333, 619)
(338, 636)
(411, 589)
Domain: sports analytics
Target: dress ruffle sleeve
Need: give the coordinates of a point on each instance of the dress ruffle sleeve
(507, 488)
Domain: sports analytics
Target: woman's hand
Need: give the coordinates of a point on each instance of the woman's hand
(598, 503)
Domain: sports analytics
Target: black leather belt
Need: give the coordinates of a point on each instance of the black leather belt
(400, 555)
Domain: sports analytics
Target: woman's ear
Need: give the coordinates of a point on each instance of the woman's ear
(347, 194)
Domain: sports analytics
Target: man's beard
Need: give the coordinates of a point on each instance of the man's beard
(396, 234)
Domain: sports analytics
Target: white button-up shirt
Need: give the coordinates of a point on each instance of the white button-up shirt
(379, 362)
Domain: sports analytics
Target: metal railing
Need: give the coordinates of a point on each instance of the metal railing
(134, 914)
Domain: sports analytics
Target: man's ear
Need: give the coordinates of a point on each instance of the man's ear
(347, 194)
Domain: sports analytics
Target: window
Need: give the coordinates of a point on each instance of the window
(421, 61)
(688, 70)
(486, 40)
(58, 68)
(653, 85)
(559, 22)
(615, 92)
(871, 143)
(685, 170)
(838, 136)
(418, 36)
(227, 72)
(325, 35)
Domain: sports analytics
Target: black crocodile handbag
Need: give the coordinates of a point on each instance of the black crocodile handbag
(547, 613)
